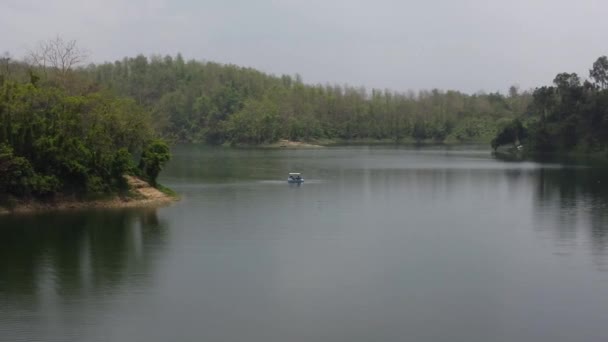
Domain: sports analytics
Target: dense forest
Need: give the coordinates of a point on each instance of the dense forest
(59, 135)
(193, 101)
(68, 127)
(570, 116)
(209, 102)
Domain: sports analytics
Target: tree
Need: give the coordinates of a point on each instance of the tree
(153, 159)
(513, 133)
(513, 91)
(59, 55)
(544, 99)
(5, 62)
(565, 81)
(599, 72)
(571, 116)
(419, 132)
(14, 172)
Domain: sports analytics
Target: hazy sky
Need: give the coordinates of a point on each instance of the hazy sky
(468, 45)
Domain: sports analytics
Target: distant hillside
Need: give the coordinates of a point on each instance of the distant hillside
(209, 102)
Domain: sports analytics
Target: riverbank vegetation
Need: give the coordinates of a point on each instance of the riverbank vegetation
(571, 116)
(76, 129)
(194, 101)
(62, 137)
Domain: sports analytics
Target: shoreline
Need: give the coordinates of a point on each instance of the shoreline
(324, 143)
(141, 195)
(284, 143)
(404, 142)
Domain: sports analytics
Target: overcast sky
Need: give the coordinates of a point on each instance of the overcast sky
(468, 45)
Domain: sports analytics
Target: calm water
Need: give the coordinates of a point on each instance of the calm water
(379, 244)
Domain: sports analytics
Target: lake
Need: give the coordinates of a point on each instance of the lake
(379, 244)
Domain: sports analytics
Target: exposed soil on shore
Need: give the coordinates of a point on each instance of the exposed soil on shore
(141, 194)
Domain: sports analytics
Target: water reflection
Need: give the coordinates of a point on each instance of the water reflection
(76, 254)
(385, 243)
(571, 205)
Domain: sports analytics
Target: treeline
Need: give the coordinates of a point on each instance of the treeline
(58, 137)
(570, 116)
(193, 101)
(74, 129)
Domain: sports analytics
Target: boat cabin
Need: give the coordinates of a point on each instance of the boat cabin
(295, 177)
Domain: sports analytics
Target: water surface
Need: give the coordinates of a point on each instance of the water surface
(379, 244)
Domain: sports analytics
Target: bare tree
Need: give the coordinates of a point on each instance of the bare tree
(58, 55)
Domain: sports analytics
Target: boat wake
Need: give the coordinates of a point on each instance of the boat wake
(282, 182)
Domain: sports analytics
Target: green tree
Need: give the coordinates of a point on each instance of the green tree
(570, 116)
(599, 72)
(153, 158)
(15, 173)
(513, 133)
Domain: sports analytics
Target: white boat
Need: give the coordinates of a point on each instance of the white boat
(295, 177)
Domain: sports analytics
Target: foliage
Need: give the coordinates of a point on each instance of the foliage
(204, 101)
(569, 116)
(599, 72)
(512, 133)
(153, 158)
(74, 129)
(54, 142)
(15, 172)
(193, 101)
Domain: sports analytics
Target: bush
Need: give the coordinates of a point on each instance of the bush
(96, 186)
(15, 173)
(44, 186)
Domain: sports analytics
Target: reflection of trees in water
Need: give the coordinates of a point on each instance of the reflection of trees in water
(571, 202)
(75, 253)
(576, 202)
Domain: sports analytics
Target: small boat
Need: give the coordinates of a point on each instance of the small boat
(295, 177)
